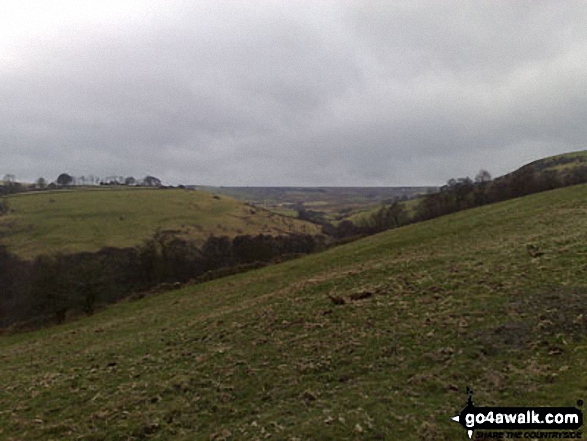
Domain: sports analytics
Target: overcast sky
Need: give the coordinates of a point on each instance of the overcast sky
(290, 92)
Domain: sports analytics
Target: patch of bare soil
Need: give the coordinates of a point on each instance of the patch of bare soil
(538, 320)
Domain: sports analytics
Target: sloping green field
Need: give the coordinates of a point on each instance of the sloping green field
(562, 163)
(87, 220)
(492, 298)
(410, 206)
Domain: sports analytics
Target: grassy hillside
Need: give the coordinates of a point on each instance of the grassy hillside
(561, 163)
(492, 298)
(87, 220)
(410, 206)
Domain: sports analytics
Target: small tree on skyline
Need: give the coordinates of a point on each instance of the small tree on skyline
(483, 176)
(64, 179)
(152, 181)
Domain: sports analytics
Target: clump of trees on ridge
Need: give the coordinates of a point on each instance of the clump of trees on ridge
(463, 193)
(9, 185)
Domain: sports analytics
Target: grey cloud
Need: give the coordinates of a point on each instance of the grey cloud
(298, 93)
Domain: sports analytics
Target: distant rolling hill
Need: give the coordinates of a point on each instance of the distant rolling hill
(334, 203)
(376, 339)
(89, 219)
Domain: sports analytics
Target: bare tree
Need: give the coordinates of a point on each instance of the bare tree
(41, 182)
(482, 176)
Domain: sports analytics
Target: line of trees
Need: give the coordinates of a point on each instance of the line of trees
(385, 218)
(460, 194)
(463, 193)
(50, 288)
(65, 179)
(9, 185)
